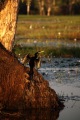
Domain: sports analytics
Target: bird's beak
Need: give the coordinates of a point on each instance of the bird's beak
(41, 51)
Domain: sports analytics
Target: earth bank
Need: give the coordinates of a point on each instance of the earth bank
(18, 92)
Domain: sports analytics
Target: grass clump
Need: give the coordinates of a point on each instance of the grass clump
(55, 52)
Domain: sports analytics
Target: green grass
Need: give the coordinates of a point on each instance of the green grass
(55, 52)
(44, 27)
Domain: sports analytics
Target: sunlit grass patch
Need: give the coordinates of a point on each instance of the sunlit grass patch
(41, 27)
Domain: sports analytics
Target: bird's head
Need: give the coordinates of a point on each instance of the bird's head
(37, 53)
(40, 51)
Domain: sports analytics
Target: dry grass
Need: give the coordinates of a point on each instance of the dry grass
(42, 27)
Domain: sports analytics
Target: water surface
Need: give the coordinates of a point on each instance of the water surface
(63, 75)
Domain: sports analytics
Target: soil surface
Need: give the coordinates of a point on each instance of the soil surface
(18, 92)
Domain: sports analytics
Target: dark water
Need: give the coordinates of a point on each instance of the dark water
(63, 75)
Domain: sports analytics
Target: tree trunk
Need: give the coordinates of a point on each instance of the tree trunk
(8, 17)
(28, 9)
(41, 7)
(49, 11)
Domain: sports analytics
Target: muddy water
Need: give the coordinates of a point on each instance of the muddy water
(63, 75)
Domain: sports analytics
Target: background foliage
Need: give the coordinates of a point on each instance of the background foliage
(56, 7)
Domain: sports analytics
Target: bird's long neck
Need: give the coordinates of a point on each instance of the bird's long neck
(36, 56)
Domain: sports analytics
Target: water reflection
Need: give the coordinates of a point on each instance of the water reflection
(42, 115)
(63, 75)
(34, 115)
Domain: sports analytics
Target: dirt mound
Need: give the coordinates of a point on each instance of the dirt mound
(17, 91)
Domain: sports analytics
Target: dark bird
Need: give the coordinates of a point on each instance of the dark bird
(34, 61)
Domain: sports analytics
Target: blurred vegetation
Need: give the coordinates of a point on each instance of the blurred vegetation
(31, 29)
(54, 52)
(49, 7)
(44, 27)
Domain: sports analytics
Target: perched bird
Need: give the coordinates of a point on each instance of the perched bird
(35, 61)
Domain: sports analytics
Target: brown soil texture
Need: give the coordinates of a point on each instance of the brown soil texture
(17, 91)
